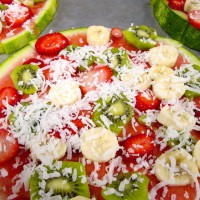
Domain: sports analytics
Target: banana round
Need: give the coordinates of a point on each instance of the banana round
(47, 152)
(196, 153)
(191, 5)
(98, 35)
(177, 118)
(168, 167)
(64, 93)
(1, 26)
(168, 87)
(157, 71)
(99, 144)
(79, 198)
(165, 55)
(29, 3)
(141, 81)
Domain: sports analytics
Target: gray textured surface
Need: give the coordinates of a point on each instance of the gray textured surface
(110, 13)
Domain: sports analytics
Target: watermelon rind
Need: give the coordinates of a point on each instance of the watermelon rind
(42, 19)
(175, 24)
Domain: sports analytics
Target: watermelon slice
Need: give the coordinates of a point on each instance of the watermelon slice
(43, 15)
(175, 23)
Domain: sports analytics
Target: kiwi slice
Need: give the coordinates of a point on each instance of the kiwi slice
(116, 111)
(142, 37)
(194, 79)
(66, 180)
(21, 77)
(71, 48)
(127, 186)
(3, 7)
(117, 58)
(90, 60)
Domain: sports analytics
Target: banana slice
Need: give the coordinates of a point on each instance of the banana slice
(79, 198)
(98, 35)
(99, 144)
(176, 167)
(196, 153)
(1, 26)
(157, 71)
(47, 150)
(63, 93)
(176, 117)
(168, 87)
(165, 55)
(191, 5)
(140, 80)
(29, 3)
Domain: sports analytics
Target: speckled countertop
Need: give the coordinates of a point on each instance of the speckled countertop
(110, 13)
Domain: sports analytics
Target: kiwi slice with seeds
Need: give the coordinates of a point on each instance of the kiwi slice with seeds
(71, 48)
(142, 37)
(128, 186)
(21, 77)
(117, 58)
(117, 111)
(69, 181)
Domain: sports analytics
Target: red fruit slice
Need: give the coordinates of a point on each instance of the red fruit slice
(138, 145)
(95, 76)
(51, 44)
(79, 120)
(6, 1)
(197, 104)
(116, 32)
(16, 15)
(194, 18)
(10, 94)
(147, 100)
(9, 146)
(176, 4)
(35, 61)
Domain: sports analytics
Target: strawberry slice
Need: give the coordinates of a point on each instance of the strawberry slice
(116, 33)
(78, 121)
(194, 18)
(197, 104)
(17, 14)
(6, 1)
(35, 61)
(138, 145)
(177, 4)
(95, 76)
(51, 44)
(147, 100)
(11, 95)
(9, 146)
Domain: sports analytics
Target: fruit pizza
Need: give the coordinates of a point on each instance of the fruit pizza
(180, 19)
(100, 113)
(22, 21)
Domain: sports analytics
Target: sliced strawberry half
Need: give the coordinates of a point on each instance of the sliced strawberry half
(9, 146)
(95, 76)
(51, 44)
(35, 61)
(147, 100)
(138, 145)
(177, 4)
(79, 122)
(116, 33)
(17, 14)
(6, 1)
(10, 95)
(194, 18)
